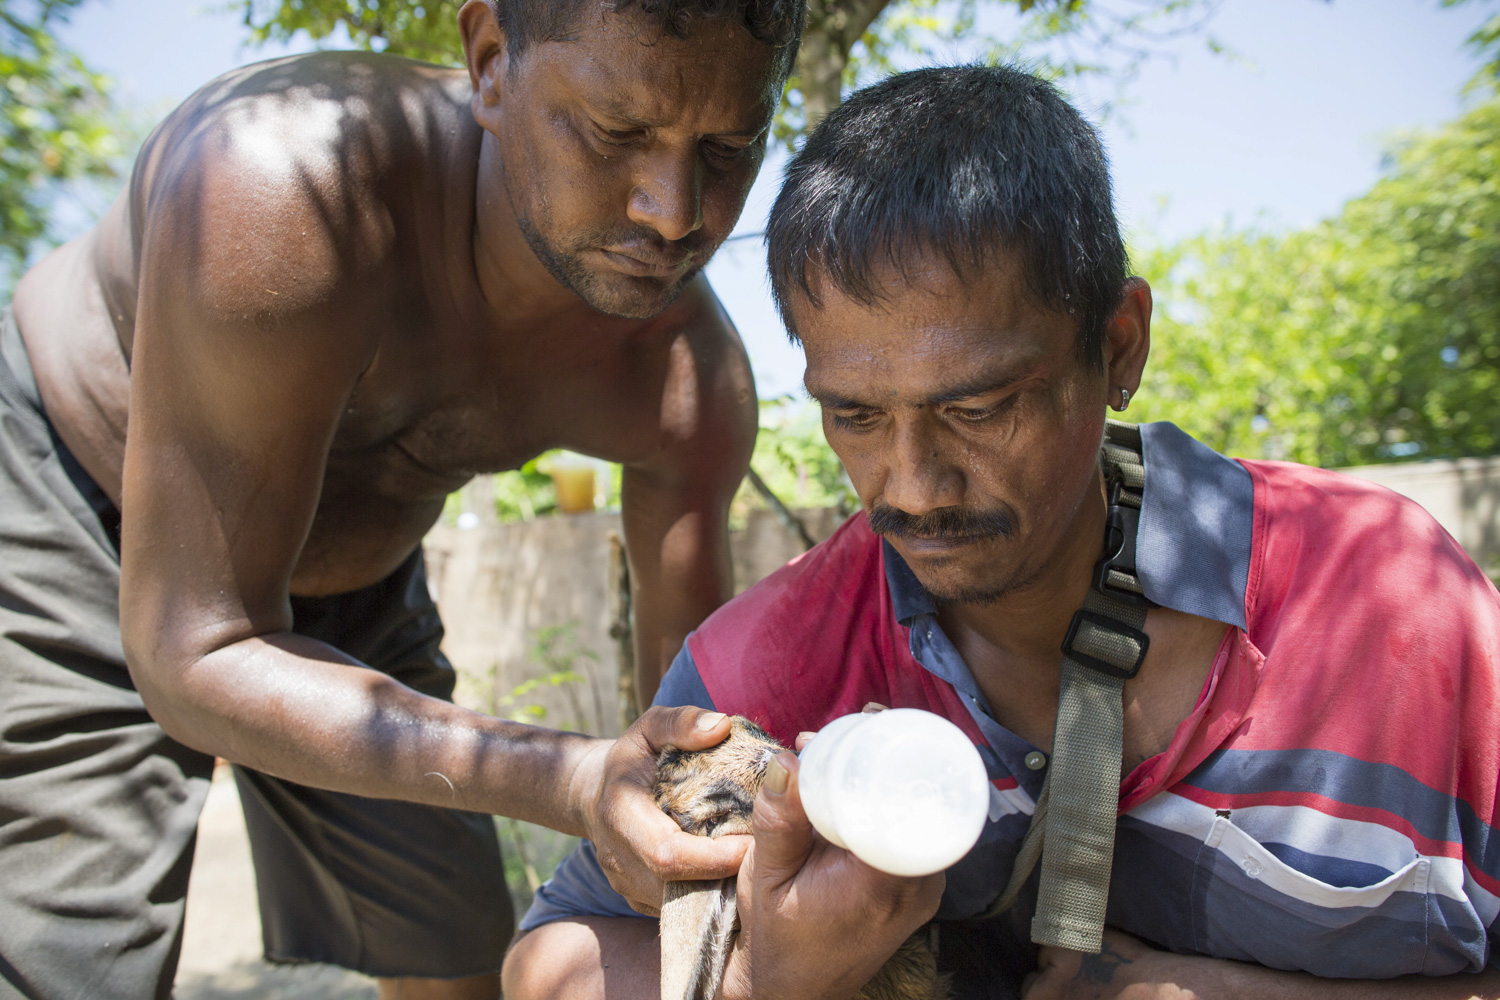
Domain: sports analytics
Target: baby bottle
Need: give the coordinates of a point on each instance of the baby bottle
(903, 789)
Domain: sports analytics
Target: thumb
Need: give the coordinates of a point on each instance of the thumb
(783, 834)
(686, 728)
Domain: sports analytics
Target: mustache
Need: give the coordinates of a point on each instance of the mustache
(651, 245)
(943, 522)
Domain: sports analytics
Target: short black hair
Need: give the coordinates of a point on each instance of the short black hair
(777, 23)
(969, 161)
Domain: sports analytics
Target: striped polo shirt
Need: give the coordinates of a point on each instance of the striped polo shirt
(1330, 804)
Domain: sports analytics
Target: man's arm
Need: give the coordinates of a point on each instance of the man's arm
(676, 500)
(248, 344)
(1128, 970)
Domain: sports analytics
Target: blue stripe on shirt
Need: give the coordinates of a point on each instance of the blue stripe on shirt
(1433, 814)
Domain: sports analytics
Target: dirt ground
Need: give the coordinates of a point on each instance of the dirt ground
(221, 957)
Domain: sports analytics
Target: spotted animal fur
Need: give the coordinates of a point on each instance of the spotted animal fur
(712, 793)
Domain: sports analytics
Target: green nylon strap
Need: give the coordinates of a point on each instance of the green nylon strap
(1073, 826)
(1087, 743)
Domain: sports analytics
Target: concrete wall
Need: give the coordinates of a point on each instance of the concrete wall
(1464, 496)
(501, 585)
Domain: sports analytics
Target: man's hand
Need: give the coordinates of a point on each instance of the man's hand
(815, 921)
(1124, 969)
(639, 846)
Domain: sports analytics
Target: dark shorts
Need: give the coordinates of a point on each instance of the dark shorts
(99, 808)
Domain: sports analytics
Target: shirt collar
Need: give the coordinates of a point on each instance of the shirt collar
(909, 598)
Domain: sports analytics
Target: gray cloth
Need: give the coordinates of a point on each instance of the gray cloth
(98, 807)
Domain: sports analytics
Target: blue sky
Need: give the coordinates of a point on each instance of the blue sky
(1279, 137)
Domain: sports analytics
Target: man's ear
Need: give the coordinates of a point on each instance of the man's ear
(485, 55)
(1127, 339)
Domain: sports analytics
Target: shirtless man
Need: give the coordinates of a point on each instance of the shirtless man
(337, 287)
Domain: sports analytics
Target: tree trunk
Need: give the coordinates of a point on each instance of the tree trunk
(833, 28)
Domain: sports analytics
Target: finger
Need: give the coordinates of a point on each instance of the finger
(872, 707)
(672, 855)
(685, 727)
(803, 739)
(669, 855)
(783, 835)
(1056, 965)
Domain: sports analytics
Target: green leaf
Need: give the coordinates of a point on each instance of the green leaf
(58, 125)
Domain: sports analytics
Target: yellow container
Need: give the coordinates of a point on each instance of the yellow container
(575, 486)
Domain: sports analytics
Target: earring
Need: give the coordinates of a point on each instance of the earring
(1124, 400)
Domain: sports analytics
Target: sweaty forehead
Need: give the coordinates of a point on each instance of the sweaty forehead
(717, 80)
(932, 335)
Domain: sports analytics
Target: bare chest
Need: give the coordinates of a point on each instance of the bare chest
(420, 427)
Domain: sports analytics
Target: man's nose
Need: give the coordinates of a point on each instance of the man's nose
(668, 194)
(920, 477)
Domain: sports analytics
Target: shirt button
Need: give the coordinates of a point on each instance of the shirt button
(1036, 760)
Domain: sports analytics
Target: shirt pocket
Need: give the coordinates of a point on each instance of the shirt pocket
(1250, 905)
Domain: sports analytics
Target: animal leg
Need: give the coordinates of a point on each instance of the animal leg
(698, 921)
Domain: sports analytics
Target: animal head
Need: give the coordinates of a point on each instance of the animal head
(712, 792)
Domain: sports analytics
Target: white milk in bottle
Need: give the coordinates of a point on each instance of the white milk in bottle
(903, 789)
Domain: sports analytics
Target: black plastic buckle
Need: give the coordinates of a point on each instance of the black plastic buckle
(1119, 554)
(1109, 625)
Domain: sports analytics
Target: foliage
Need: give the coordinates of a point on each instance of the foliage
(1485, 42)
(568, 666)
(531, 854)
(845, 42)
(426, 30)
(793, 458)
(560, 663)
(56, 123)
(1371, 337)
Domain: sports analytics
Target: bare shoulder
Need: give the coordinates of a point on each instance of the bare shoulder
(279, 184)
(709, 385)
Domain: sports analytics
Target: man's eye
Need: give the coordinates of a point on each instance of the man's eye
(723, 151)
(615, 137)
(858, 420)
(980, 414)
(973, 414)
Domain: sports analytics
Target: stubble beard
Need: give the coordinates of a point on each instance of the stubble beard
(977, 594)
(569, 269)
(982, 526)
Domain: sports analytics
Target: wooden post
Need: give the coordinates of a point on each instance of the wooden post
(622, 629)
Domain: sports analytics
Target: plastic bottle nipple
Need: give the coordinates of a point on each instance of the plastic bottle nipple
(902, 789)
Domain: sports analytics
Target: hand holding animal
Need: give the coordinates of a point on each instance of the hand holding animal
(754, 932)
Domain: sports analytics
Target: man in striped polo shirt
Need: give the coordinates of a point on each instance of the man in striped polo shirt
(1311, 748)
